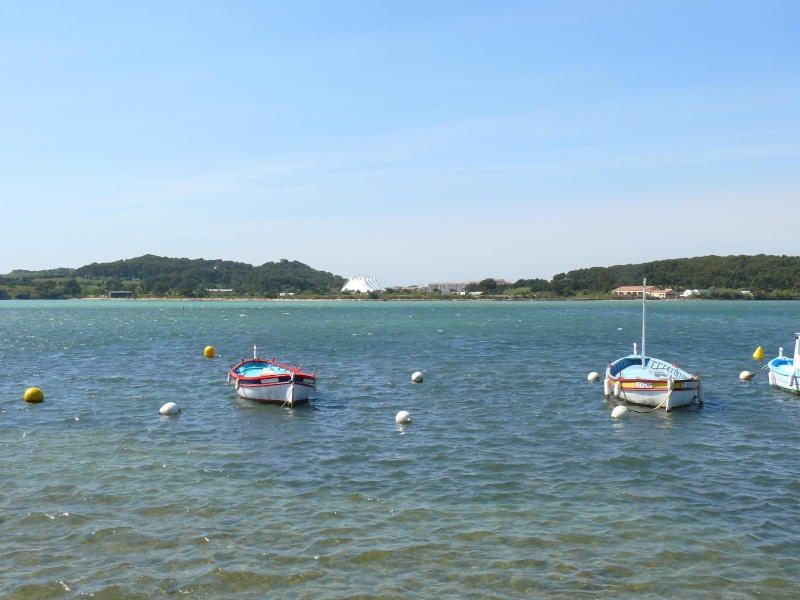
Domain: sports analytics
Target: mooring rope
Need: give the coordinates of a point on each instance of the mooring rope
(657, 407)
(749, 377)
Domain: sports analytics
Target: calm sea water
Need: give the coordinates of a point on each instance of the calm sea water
(511, 482)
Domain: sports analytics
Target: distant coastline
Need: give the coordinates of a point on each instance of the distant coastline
(759, 277)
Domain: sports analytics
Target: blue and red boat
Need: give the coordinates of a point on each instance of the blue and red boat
(271, 382)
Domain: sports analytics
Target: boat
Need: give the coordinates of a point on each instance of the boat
(271, 382)
(783, 371)
(648, 381)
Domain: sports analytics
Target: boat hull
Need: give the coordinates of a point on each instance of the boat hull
(783, 375)
(657, 393)
(270, 382)
(657, 383)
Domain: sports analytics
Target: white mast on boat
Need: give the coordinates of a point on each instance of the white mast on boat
(644, 298)
(796, 359)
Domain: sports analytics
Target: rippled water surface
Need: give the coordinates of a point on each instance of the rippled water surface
(512, 481)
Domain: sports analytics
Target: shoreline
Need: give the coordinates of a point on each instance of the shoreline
(445, 299)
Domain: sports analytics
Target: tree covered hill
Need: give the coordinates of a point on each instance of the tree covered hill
(160, 276)
(759, 274)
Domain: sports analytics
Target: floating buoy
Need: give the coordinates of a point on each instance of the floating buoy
(402, 417)
(209, 352)
(416, 377)
(593, 376)
(745, 375)
(759, 353)
(606, 387)
(619, 412)
(617, 389)
(700, 392)
(33, 394)
(771, 378)
(170, 408)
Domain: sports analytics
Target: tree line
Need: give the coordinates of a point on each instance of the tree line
(162, 277)
(762, 276)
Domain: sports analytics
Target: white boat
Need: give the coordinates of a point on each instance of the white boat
(641, 379)
(271, 382)
(783, 371)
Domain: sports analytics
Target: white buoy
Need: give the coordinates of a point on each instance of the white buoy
(170, 408)
(606, 387)
(416, 377)
(700, 392)
(745, 375)
(593, 376)
(771, 378)
(619, 412)
(617, 389)
(402, 417)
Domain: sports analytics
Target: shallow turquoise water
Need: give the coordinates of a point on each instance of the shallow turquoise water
(511, 482)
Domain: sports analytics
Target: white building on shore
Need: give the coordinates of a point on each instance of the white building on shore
(363, 284)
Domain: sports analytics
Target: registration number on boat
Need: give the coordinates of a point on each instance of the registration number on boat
(644, 384)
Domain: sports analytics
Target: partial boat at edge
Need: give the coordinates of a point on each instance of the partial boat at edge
(783, 371)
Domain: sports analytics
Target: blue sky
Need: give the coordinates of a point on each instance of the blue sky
(412, 141)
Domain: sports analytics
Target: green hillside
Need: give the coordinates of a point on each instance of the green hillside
(159, 276)
(762, 275)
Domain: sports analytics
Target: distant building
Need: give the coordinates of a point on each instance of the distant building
(362, 284)
(631, 290)
(652, 291)
(447, 287)
(690, 293)
(452, 287)
(120, 294)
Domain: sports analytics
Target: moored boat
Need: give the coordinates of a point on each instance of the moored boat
(271, 382)
(648, 381)
(783, 371)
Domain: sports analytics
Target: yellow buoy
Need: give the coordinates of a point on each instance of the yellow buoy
(759, 353)
(33, 394)
(209, 352)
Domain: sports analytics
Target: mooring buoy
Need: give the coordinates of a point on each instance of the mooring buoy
(33, 395)
(619, 412)
(170, 408)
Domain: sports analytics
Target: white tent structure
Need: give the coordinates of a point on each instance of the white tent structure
(363, 284)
